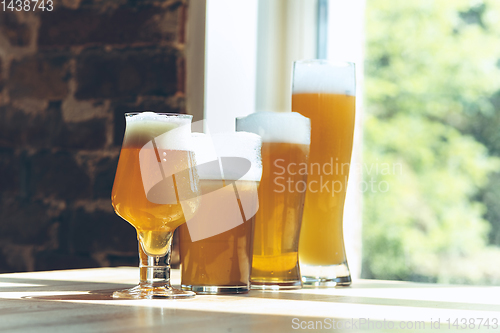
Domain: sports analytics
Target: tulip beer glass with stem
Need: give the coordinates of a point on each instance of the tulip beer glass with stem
(216, 245)
(155, 190)
(285, 150)
(324, 91)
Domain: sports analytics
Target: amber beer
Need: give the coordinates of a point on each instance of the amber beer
(325, 92)
(221, 263)
(285, 151)
(155, 189)
(154, 221)
(216, 247)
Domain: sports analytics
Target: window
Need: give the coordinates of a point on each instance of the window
(427, 115)
(250, 48)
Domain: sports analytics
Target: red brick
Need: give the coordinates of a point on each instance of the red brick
(182, 23)
(105, 170)
(54, 259)
(39, 150)
(181, 75)
(20, 129)
(24, 222)
(91, 26)
(17, 33)
(4, 265)
(10, 167)
(101, 231)
(42, 76)
(1, 76)
(57, 175)
(86, 135)
(123, 260)
(126, 73)
(47, 129)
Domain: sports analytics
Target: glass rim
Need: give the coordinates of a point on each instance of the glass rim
(338, 63)
(169, 114)
(236, 135)
(277, 127)
(274, 113)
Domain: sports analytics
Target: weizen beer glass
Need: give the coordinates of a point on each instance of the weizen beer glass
(155, 190)
(324, 91)
(216, 244)
(285, 150)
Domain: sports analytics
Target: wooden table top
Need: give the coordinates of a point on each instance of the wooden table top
(59, 301)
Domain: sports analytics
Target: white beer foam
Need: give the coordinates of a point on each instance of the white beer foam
(289, 127)
(209, 148)
(244, 145)
(205, 155)
(203, 147)
(323, 76)
(173, 132)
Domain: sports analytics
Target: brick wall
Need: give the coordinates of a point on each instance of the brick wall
(66, 79)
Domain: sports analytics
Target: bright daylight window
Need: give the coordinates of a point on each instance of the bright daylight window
(428, 118)
(432, 107)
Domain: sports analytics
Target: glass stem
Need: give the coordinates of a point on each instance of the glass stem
(155, 270)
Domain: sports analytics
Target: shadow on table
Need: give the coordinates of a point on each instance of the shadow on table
(85, 290)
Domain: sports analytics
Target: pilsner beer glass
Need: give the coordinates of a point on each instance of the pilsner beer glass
(324, 91)
(155, 190)
(216, 244)
(285, 150)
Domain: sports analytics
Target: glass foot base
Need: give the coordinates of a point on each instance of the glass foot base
(216, 290)
(341, 281)
(270, 285)
(326, 276)
(141, 292)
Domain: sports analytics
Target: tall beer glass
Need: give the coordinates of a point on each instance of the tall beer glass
(216, 244)
(285, 150)
(324, 91)
(155, 190)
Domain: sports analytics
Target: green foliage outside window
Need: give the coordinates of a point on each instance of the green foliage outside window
(432, 107)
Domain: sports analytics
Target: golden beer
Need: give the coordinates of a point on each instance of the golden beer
(152, 221)
(285, 151)
(317, 96)
(281, 200)
(223, 260)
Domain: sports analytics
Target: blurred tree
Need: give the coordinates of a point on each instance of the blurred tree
(432, 119)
